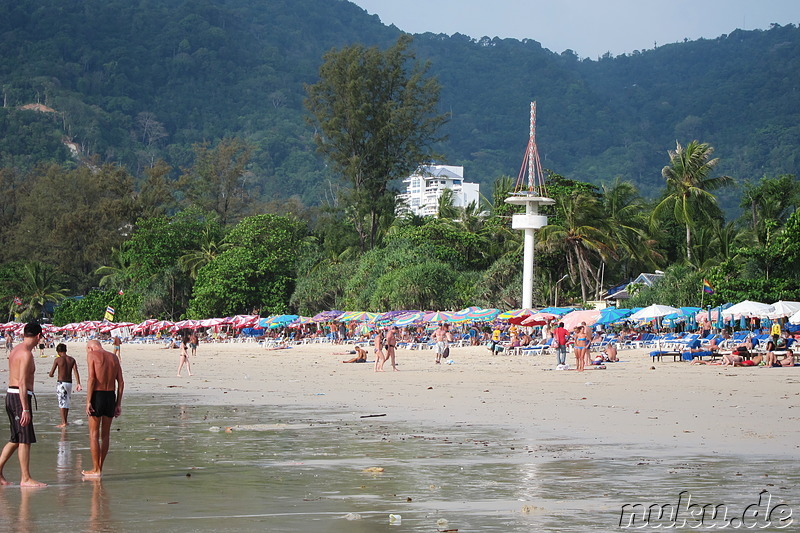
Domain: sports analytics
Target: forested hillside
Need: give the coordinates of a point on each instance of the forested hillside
(134, 81)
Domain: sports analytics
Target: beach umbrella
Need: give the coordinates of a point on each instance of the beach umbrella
(516, 313)
(783, 309)
(358, 316)
(560, 311)
(409, 318)
(653, 311)
(391, 316)
(364, 328)
(536, 319)
(574, 318)
(282, 320)
(475, 314)
(266, 321)
(211, 322)
(327, 316)
(795, 318)
(747, 309)
(610, 315)
(111, 326)
(301, 321)
(161, 325)
(244, 321)
(437, 316)
(188, 324)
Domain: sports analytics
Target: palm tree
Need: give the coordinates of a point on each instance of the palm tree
(625, 214)
(582, 237)
(445, 208)
(211, 246)
(40, 285)
(688, 188)
(117, 274)
(771, 201)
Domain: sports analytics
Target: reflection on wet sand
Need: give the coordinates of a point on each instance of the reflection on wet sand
(177, 469)
(100, 511)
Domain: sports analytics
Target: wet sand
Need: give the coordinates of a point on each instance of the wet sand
(703, 409)
(283, 440)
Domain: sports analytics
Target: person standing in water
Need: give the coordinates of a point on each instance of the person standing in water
(66, 366)
(21, 369)
(103, 402)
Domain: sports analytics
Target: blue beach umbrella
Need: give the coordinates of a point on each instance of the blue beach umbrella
(609, 315)
(559, 311)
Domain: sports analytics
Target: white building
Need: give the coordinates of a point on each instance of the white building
(425, 186)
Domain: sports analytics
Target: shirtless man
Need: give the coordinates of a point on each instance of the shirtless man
(443, 337)
(391, 345)
(378, 344)
(360, 355)
(118, 347)
(193, 341)
(66, 366)
(21, 369)
(102, 404)
(9, 342)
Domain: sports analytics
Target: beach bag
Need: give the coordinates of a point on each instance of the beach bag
(446, 352)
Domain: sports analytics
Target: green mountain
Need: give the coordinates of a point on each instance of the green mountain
(131, 81)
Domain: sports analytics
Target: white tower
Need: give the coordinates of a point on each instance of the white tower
(531, 195)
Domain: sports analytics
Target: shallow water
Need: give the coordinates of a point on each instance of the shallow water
(176, 468)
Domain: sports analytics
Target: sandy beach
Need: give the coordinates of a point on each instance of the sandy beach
(288, 440)
(636, 402)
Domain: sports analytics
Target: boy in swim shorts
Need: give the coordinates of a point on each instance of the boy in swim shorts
(66, 366)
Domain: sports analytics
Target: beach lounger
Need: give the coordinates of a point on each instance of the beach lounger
(659, 354)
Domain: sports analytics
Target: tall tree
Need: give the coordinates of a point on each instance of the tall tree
(40, 284)
(625, 215)
(689, 188)
(375, 112)
(581, 233)
(216, 182)
(770, 202)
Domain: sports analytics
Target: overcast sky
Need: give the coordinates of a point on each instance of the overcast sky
(588, 27)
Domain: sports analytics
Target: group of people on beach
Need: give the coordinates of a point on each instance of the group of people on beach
(104, 389)
(386, 341)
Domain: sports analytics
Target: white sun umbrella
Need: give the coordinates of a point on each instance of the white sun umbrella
(747, 309)
(795, 318)
(651, 312)
(783, 309)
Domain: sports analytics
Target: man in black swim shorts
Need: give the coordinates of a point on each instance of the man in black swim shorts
(21, 369)
(103, 404)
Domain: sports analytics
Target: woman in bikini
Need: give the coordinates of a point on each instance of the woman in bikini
(184, 357)
(379, 357)
(581, 342)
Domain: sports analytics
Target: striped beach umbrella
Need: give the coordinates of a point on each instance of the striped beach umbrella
(516, 313)
(358, 316)
(437, 316)
(475, 314)
(327, 316)
(409, 318)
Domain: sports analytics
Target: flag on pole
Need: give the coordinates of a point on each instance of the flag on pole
(707, 288)
(17, 300)
(109, 314)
